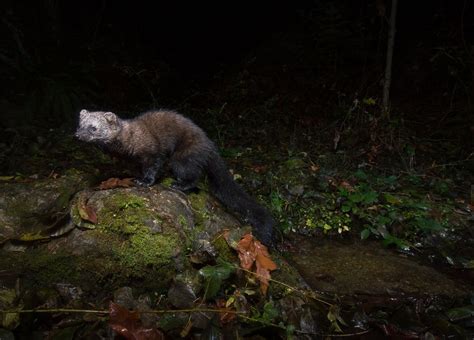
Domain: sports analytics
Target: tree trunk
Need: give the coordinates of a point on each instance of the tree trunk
(388, 62)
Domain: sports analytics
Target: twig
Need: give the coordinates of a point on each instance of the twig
(312, 296)
(95, 311)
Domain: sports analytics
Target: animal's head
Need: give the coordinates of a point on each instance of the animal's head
(98, 126)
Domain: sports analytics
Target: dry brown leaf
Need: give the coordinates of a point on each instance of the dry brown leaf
(346, 185)
(127, 324)
(252, 251)
(185, 331)
(263, 257)
(264, 265)
(226, 315)
(113, 182)
(86, 212)
(246, 249)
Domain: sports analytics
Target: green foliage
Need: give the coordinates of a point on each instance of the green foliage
(334, 317)
(460, 313)
(302, 212)
(267, 315)
(277, 202)
(296, 204)
(397, 217)
(215, 276)
(323, 195)
(400, 210)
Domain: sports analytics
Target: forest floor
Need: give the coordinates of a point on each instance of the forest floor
(370, 205)
(383, 219)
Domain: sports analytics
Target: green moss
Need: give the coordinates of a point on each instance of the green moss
(130, 242)
(182, 221)
(20, 208)
(225, 252)
(140, 251)
(41, 268)
(167, 181)
(124, 200)
(143, 250)
(199, 204)
(125, 213)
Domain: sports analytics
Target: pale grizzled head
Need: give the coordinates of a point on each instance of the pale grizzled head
(98, 126)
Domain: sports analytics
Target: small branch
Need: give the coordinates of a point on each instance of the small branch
(54, 310)
(94, 311)
(311, 295)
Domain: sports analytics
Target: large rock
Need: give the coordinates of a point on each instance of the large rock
(153, 240)
(35, 209)
(136, 234)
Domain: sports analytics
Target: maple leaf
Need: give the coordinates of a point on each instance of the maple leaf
(127, 324)
(246, 249)
(113, 182)
(251, 252)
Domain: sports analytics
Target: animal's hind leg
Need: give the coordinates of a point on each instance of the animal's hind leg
(186, 172)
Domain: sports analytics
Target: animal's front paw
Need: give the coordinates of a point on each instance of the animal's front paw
(142, 182)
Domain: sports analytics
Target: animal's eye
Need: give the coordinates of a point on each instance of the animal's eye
(92, 128)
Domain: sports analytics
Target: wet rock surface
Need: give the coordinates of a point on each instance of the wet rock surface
(368, 268)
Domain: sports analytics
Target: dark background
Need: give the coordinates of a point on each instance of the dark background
(292, 63)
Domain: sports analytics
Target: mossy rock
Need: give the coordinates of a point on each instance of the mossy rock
(133, 235)
(33, 210)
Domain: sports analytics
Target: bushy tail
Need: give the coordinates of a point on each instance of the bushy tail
(236, 199)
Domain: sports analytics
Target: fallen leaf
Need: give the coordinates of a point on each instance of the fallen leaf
(185, 331)
(264, 265)
(86, 212)
(128, 325)
(259, 168)
(251, 252)
(113, 182)
(346, 185)
(226, 315)
(246, 249)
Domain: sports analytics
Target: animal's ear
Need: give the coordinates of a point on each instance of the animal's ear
(83, 113)
(110, 117)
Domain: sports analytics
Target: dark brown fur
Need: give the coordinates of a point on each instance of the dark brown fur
(159, 137)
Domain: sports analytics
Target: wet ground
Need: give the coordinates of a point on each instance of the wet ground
(385, 294)
(369, 268)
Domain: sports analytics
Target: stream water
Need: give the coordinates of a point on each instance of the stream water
(384, 293)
